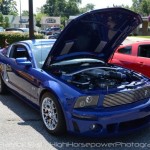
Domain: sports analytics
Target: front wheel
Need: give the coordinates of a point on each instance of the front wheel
(52, 114)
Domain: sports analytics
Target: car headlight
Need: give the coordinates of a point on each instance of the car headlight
(86, 101)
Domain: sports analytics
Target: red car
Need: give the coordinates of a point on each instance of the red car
(134, 56)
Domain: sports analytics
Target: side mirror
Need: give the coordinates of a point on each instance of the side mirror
(23, 61)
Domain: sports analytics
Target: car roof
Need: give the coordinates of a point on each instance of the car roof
(37, 41)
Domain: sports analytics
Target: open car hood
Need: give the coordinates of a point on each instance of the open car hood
(94, 34)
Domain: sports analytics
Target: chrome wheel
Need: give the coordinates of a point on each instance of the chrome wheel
(52, 114)
(49, 113)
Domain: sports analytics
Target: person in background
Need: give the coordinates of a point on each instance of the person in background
(6, 43)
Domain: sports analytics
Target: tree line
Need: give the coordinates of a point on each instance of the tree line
(66, 8)
(139, 6)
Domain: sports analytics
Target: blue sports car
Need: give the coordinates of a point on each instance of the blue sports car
(70, 81)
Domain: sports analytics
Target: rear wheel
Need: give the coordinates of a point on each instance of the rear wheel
(52, 114)
(3, 87)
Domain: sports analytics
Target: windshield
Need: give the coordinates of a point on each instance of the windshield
(40, 52)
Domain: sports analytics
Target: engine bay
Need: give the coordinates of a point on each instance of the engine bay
(95, 77)
(100, 78)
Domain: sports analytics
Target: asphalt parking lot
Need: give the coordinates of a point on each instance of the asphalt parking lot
(21, 128)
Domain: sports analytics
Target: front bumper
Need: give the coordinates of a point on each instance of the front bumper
(110, 121)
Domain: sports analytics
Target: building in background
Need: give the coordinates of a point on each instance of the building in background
(21, 22)
(48, 22)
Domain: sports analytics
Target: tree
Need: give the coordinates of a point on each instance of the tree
(13, 8)
(145, 7)
(1, 19)
(40, 10)
(141, 6)
(88, 7)
(4, 7)
(25, 13)
(71, 8)
(49, 7)
(8, 7)
(6, 22)
(38, 18)
(63, 22)
(61, 7)
(136, 4)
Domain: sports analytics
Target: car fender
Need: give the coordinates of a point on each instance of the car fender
(65, 95)
(61, 90)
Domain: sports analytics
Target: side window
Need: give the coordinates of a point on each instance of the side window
(144, 51)
(125, 50)
(18, 51)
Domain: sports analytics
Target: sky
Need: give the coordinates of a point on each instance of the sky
(98, 3)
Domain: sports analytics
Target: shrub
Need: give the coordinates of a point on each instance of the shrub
(15, 37)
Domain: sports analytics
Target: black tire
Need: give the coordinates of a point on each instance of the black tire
(52, 115)
(3, 87)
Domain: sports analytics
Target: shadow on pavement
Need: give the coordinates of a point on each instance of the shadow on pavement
(31, 117)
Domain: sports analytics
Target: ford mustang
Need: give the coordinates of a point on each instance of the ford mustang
(70, 81)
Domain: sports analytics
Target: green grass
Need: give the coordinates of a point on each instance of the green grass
(147, 37)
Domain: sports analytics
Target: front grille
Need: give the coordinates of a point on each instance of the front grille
(127, 97)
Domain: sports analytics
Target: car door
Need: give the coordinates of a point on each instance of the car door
(124, 57)
(20, 77)
(143, 59)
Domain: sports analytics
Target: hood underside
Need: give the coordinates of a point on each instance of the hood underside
(94, 34)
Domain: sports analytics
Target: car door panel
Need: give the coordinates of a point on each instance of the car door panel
(28, 83)
(143, 59)
(124, 57)
(19, 78)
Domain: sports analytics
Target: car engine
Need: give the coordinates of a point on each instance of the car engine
(100, 77)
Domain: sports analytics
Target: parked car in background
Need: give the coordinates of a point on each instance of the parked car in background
(21, 30)
(53, 30)
(135, 56)
(25, 30)
(44, 31)
(54, 35)
(50, 31)
(70, 82)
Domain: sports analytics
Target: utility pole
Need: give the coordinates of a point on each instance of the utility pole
(20, 15)
(31, 22)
